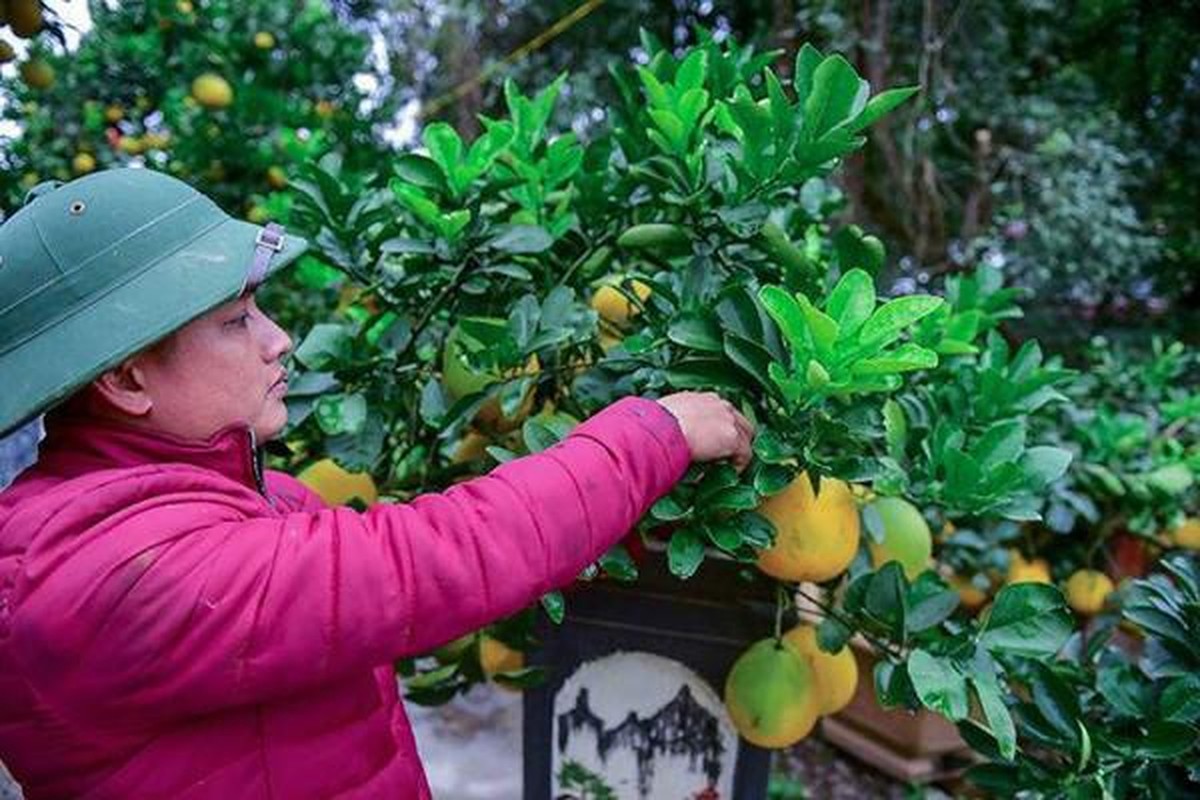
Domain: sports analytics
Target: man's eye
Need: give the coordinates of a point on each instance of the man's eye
(238, 321)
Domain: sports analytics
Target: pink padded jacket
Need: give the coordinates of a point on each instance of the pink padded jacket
(174, 625)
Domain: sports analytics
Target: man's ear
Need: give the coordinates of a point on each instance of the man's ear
(123, 388)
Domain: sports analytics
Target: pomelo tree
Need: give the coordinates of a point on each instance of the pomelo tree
(227, 95)
(513, 283)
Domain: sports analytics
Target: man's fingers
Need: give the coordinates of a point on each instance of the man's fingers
(745, 437)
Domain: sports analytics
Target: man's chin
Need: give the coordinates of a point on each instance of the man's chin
(271, 423)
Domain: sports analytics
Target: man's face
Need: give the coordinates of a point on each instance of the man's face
(222, 368)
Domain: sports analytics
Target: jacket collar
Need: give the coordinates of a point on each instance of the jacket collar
(75, 445)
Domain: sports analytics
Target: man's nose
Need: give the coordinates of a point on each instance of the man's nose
(278, 342)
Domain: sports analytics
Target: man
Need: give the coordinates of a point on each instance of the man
(176, 622)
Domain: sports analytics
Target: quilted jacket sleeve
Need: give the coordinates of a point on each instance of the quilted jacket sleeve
(224, 610)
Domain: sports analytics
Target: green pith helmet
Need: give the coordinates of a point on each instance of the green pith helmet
(95, 270)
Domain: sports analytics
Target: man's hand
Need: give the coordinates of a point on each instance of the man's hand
(714, 429)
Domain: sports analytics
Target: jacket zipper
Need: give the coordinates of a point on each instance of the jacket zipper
(256, 467)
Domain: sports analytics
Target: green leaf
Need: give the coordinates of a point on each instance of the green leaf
(895, 426)
(1180, 701)
(939, 684)
(434, 403)
(522, 239)
(832, 635)
(452, 224)
(420, 171)
(697, 331)
(488, 147)
(1173, 479)
(757, 530)
(555, 606)
(930, 603)
(619, 564)
(669, 509)
(736, 498)
(838, 95)
(893, 687)
(786, 311)
(816, 375)
(1001, 443)
(1045, 464)
(770, 479)
(324, 346)
(1000, 721)
(537, 436)
(1163, 741)
(1027, 619)
(358, 451)
(856, 250)
(415, 201)
(1057, 703)
(725, 534)
(886, 599)
(446, 149)
(684, 553)
(692, 72)
(807, 61)
(341, 413)
(672, 128)
(905, 358)
(882, 104)
(852, 301)
(656, 93)
(873, 523)
(890, 319)
(821, 327)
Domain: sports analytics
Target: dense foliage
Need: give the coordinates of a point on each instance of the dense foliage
(688, 212)
(700, 225)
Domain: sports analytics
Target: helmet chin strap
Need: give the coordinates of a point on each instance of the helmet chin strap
(268, 242)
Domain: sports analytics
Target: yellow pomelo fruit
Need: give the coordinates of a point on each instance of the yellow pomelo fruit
(970, 596)
(7, 53)
(1087, 589)
(614, 307)
(771, 695)
(83, 163)
(1187, 535)
(906, 537)
(37, 74)
(336, 486)
(264, 40)
(131, 145)
(836, 673)
(114, 113)
(1022, 571)
(212, 91)
(610, 336)
(156, 141)
(277, 178)
(495, 657)
(816, 535)
(25, 17)
(461, 380)
(471, 447)
(324, 109)
(185, 7)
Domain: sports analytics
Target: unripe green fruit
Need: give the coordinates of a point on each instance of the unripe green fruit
(654, 234)
(906, 537)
